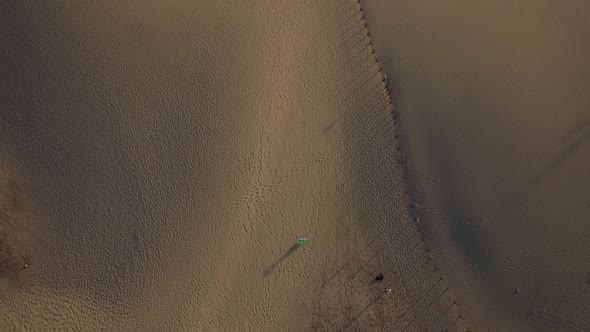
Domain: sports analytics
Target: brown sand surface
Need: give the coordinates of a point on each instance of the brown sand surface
(495, 98)
(169, 153)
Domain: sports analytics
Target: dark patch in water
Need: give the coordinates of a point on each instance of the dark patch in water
(461, 219)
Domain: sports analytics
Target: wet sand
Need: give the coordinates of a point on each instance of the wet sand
(172, 154)
(496, 118)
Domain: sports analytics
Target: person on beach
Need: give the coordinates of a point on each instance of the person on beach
(301, 241)
(379, 277)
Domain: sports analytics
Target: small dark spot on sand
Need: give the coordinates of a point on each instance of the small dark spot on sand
(15, 226)
(516, 291)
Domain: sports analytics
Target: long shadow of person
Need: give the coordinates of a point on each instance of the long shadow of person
(274, 265)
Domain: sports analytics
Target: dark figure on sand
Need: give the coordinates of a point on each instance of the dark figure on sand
(379, 277)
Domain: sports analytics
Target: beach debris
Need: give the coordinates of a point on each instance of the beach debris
(26, 261)
(387, 290)
(379, 277)
(516, 291)
(302, 241)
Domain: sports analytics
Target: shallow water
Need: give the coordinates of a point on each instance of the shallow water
(496, 112)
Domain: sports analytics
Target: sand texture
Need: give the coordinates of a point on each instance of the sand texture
(159, 159)
(173, 153)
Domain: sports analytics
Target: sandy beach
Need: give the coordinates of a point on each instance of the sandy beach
(174, 153)
(159, 161)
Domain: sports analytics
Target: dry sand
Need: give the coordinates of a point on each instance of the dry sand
(170, 155)
(496, 103)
